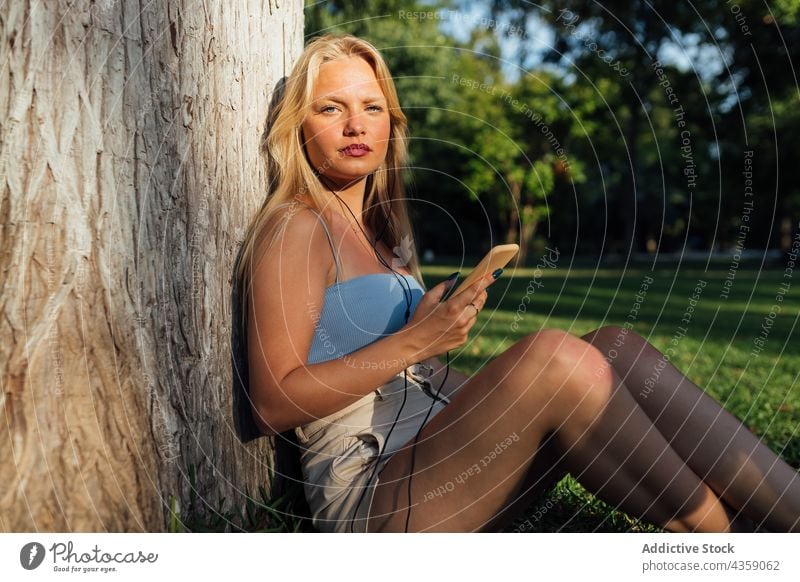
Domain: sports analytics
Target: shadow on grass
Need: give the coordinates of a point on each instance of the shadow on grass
(723, 321)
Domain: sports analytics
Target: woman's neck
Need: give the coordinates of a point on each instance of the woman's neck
(352, 195)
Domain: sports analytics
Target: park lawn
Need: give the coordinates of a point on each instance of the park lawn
(716, 352)
(715, 349)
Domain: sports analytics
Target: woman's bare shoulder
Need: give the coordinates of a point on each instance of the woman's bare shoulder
(297, 242)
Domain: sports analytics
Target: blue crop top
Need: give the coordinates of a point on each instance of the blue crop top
(361, 310)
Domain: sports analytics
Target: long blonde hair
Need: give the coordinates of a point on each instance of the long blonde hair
(292, 178)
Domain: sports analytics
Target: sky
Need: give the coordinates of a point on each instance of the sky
(538, 37)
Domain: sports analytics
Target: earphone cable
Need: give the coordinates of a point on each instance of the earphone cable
(407, 298)
(416, 437)
(405, 374)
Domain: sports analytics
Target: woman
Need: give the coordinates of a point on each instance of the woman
(344, 347)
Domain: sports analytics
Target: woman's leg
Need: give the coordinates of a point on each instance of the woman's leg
(473, 458)
(722, 451)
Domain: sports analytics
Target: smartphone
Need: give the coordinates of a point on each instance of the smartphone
(497, 258)
(450, 289)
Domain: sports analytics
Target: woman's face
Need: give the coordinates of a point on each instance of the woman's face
(348, 107)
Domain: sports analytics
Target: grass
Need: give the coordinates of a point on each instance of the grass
(261, 514)
(716, 352)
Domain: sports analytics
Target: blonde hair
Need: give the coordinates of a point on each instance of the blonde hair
(292, 177)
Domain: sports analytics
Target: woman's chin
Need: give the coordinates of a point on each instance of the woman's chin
(351, 176)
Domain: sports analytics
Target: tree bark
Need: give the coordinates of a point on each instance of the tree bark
(527, 232)
(516, 229)
(130, 169)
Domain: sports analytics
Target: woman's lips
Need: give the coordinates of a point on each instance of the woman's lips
(355, 151)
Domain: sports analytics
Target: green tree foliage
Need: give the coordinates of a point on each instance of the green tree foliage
(737, 86)
(631, 129)
(478, 145)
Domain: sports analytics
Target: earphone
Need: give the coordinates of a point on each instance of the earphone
(407, 298)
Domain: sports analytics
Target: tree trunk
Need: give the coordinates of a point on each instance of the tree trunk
(130, 169)
(526, 233)
(513, 233)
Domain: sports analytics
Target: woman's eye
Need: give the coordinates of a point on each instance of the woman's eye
(376, 107)
(324, 109)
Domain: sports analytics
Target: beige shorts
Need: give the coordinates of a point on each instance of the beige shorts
(340, 452)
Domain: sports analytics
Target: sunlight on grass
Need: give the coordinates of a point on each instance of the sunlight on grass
(714, 346)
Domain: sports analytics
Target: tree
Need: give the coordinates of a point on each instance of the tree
(422, 60)
(470, 130)
(514, 146)
(737, 86)
(764, 116)
(129, 166)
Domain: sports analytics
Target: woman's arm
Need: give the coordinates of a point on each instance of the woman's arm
(309, 392)
(287, 295)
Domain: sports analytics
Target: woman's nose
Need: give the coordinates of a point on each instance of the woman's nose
(354, 126)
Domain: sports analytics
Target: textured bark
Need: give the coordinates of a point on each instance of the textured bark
(129, 166)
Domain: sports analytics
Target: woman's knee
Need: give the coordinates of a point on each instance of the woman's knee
(572, 371)
(612, 340)
(562, 354)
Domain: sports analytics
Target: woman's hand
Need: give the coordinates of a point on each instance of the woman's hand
(437, 327)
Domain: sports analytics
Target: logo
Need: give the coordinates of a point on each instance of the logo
(402, 256)
(403, 252)
(31, 555)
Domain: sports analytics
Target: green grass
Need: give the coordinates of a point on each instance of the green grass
(716, 352)
(261, 514)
